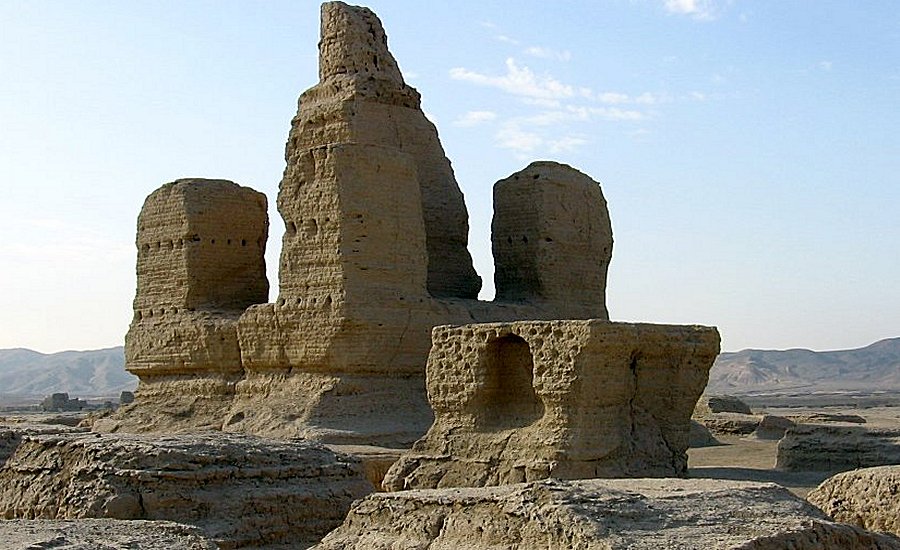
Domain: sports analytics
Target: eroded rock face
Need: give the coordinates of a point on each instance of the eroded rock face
(361, 99)
(566, 399)
(729, 423)
(711, 404)
(552, 240)
(200, 265)
(836, 448)
(598, 514)
(773, 427)
(101, 534)
(701, 436)
(11, 435)
(869, 498)
(240, 490)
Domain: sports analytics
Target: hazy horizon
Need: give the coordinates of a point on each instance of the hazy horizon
(747, 151)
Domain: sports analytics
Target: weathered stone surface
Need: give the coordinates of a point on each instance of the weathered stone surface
(361, 99)
(728, 423)
(552, 240)
(772, 427)
(200, 264)
(240, 490)
(566, 399)
(376, 461)
(598, 514)
(101, 534)
(820, 417)
(836, 448)
(710, 404)
(869, 498)
(11, 434)
(701, 436)
(174, 403)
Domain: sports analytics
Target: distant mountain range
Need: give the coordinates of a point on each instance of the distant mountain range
(872, 368)
(92, 373)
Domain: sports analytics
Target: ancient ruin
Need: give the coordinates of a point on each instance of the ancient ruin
(377, 342)
(241, 490)
(528, 400)
(374, 256)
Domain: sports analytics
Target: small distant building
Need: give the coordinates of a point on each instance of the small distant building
(60, 402)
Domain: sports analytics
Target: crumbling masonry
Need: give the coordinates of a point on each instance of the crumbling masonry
(374, 256)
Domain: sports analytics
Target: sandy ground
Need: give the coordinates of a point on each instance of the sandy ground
(748, 458)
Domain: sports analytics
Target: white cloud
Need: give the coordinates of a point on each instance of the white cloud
(511, 136)
(550, 118)
(573, 113)
(566, 144)
(547, 53)
(554, 117)
(825, 65)
(543, 103)
(618, 98)
(507, 39)
(519, 81)
(474, 118)
(703, 10)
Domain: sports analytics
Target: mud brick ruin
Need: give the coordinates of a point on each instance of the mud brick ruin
(373, 258)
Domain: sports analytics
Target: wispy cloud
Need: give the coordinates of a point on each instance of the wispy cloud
(513, 137)
(524, 142)
(702, 10)
(548, 53)
(554, 116)
(579, 113)
(507, 39)
(520, 81)
(613, 98)
(566, 144)
(618, 98)
(474, 118)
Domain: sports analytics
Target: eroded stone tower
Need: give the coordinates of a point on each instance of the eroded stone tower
(200, 247)
(374, 257)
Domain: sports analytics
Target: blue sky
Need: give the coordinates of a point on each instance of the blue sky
(748, 149)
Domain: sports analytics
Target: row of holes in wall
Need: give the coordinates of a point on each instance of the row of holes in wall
(326, 301)
(172, 244)
(310, 226)
(140, 314)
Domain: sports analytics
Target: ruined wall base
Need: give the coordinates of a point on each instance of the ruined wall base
(348, 409)
(174, 403)
(529, 400)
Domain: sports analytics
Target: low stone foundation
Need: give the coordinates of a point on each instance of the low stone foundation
(240, 490)
(528, 400)
(634, 514)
